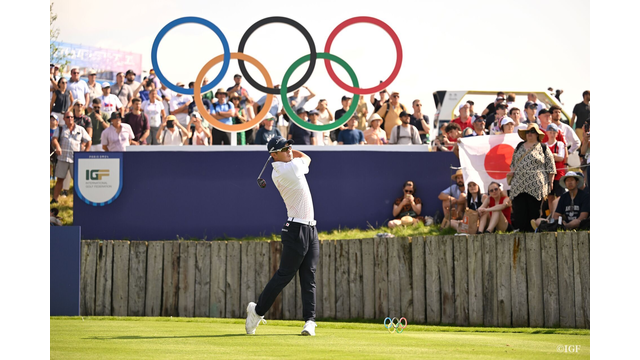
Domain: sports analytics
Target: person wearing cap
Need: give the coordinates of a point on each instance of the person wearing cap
(532, 172)
(199, 135)
(267, 132)
(223, 111)
(67, 140)
(507, 126)
(179, 105)
(171, 132)
(156, 82)
(492, 123)
(335, 133)
(123, 91)
(571, 138)
(61, 100)
(80, 119)
(78, 87)
(299, 135)
(454, 199)
(300, 245)
(318, 136)
(138, 121)
(405, 133)
(155, 112)
(117, 136)
(351, 135)
(530, 114)
(390, 113)
(130, 77)
(559, 151)
(374, 135)
(110, 102)
(544, 116)
(532, 97)
(238, 89)
(573, 206)
(421, 121)
(491, 108)
(95, 89)
(464, 120)
(99, 122)
(477, 127)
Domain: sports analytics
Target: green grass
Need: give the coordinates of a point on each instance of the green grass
(195, 338)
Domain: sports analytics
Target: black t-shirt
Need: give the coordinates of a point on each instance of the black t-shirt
(492, 109)
(489, 121)
(299, 135)
(205, 102)
(571, 209)
(334, 133)
(583, 112)
(418, 124)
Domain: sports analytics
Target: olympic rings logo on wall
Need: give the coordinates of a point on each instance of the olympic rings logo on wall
(284, 88)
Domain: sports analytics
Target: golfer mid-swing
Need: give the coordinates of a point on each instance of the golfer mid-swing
(300, 246)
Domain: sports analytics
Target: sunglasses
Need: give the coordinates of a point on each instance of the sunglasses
(395, 96)
(68, 117)
(494, 189)
(284, 149)
(408, 191)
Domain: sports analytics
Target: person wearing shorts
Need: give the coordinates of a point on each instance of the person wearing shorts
(300, 245)
(495, 212)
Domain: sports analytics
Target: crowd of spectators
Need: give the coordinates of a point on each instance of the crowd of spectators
(92, 116)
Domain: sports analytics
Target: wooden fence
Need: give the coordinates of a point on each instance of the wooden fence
(519, 280)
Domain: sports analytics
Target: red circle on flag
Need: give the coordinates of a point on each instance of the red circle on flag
(497, 162)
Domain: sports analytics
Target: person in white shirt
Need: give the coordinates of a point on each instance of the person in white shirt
(405, 134)
(117, 136)
(79, 88)
(179, 105)
(570, 137)
(155, 112)
(171, 132)
(200, 135)
(110, 102)
(300, 245)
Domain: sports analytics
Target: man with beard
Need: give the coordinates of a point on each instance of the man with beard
(454, 199)
(405, 133)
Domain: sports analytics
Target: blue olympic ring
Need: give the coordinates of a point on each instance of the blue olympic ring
(190, 20)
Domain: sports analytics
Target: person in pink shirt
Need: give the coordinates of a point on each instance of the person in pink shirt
(117, 136)
(375, 135)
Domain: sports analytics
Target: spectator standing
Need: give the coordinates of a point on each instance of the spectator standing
(117, 136)
(390, 113)
(248, 114)
(491, 108)
(507, 126)
(54, 76)
(318, 136)
(267, 132)
(420, 121)
(495, 212)
(95, 90)
(199, 135)
(581, 112)
(53, 125)
(585, 152)
(299, 135)
(325, 117)
(346, 102)
(545, 119)
(362, 111)
(374, 135)
(223, 111)
(510, 101)
(61, 99)
(276, 108)
(296, 101)
(532, 170)
(171, 132)
(531, 113)
(405, 134)
(73, 138)
(78, 87)
(237, 89)
(180, 106)
(516, 116)
(99, 122)
(238, 118)
(110, 102)
(154, 110)
(407, 209)
(464, 120)
(351, 135)
(493, 121)
(166, 94)
(571, 138)
(532, 97)
(559, 151)
(205, 101)
(80, 119)
(123, 91)
(130, 77)
(477, 128)
(138, 122)
(377, 103)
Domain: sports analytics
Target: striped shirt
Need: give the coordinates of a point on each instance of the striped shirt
(289, 178)
(70, 141)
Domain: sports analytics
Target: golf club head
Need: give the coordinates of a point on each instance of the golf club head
(262, 183)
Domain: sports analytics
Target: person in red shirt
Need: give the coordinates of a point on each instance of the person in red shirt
(464, 120)
(495, 212)
(559, 151)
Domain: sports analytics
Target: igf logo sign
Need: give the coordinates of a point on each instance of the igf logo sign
(96, 174)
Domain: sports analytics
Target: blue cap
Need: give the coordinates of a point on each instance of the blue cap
(313, 112)
(277, 142)
(553, 127)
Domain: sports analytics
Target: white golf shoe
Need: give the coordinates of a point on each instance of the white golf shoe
(253, 319)
(309, 328)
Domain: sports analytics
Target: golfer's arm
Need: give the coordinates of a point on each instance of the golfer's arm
(300, 154)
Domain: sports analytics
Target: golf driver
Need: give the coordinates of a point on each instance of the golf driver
(261, 181)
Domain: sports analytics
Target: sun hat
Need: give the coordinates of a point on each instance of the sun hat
(574, 175)
(523, 132)
(373, 117)
(458, 172)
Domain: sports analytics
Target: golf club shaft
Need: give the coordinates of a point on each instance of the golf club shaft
(264, 167)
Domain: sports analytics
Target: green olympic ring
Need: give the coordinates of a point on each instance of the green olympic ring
(308, 126)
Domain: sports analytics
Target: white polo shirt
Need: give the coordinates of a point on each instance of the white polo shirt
(289, 178)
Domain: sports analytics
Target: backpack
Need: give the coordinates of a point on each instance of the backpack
(164, 133)
(387, 111)
(411, 131)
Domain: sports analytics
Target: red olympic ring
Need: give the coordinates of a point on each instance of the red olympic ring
(396, 42)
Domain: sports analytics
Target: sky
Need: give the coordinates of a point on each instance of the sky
(461, 45)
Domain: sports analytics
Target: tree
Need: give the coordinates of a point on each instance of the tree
(56, 56)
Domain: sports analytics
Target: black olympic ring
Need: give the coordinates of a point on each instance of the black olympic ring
(299, 27)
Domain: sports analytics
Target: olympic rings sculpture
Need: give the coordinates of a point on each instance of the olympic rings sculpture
(395, 325)
(269, 89)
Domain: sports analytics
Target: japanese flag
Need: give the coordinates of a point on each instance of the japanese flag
(487, 158)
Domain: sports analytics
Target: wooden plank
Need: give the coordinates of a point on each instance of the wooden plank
(217, 297)
(275, 247)
(418, 279)
(342, 279)
(262, 269)
(583, 255)
(551, 304)
(406, 282)
(580, 323)
(247, 276)
(120, 278)
(519, 303)
(447, 288)
(474, 266)
(503, 274)
(298, 296)
(381, 278)
(566, 285)
(170, 278)
(88, 264)
(153, 289)
(232, 289)
(534, 280)
(203, 279)
(319, 288)
(432, 280)
(368, 283)
(356, 304)
(104, 277)
(489, 281)
(187, 279)
(137, 277)
(461, 280)
(329, 278)
(393, 266)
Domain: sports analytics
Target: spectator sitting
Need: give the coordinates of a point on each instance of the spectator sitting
(374, 135)
(267, 132)
(200, 135)
(464, 120)
(54, 219)
(477, 128)
(407, 209)
(491, 108)
(471, 111)
(495, 212)
(453, 199)
(351, 135)
(171, 132)
(493, 121)
(475, 199)
(117, 136)
(405, 133)
(299, 135)
(573, 205)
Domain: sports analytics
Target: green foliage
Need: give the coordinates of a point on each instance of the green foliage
(56, 56)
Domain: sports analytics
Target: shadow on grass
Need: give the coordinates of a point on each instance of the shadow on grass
(182, 337)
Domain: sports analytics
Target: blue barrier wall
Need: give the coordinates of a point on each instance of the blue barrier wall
(210, 194)
(64, 276)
